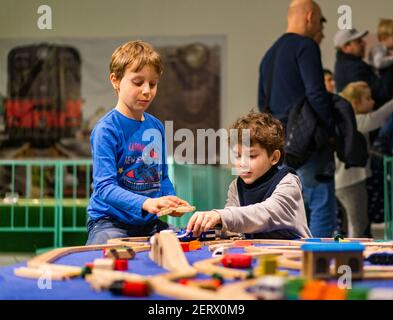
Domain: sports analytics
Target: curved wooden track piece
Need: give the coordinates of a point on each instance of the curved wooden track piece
(167, 252)
(128, 240)
(278, 242)
(180, 209)
(237, 290)
(41, 264)
(166, 287)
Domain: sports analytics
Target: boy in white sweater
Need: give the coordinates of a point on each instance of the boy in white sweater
(351, 183)
(264, 201)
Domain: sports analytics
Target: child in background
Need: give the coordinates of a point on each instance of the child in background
(380, 56)
(351, 183)
(130, 174)
(264, 201)
(330, 84)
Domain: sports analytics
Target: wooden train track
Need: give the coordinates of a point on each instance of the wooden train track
(166, 284)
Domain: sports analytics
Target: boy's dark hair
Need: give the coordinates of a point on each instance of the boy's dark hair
(327, 71)
(265, 130)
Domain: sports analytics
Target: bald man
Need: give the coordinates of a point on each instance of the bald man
(293, 68)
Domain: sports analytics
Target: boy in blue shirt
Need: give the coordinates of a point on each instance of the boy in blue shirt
(130, 174)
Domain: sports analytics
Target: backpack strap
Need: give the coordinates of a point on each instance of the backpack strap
(269, 81)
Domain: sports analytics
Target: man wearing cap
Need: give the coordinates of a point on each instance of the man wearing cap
(290, 71)
(350, 66)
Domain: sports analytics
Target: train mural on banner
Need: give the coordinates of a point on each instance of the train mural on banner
(43, 103)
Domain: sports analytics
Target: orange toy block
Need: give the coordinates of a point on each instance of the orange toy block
(313, 290)
(333, 292)
(195, 245)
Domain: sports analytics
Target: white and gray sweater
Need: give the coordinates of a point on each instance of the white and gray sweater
(282, 212)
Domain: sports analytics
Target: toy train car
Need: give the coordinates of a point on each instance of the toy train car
(43, 102)
(269, 288)
(383, 258)
(236, 260)
(183, 236)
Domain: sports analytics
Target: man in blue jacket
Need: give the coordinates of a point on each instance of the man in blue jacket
(350, 66)
(298, 74)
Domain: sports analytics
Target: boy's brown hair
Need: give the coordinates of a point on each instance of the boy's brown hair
(265, 130)
(135, 54)
(385, 29)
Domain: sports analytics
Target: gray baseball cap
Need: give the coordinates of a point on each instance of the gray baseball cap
(344, 36)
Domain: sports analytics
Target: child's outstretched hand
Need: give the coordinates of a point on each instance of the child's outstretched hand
(177, 213)
(201, 221)
(154, 205)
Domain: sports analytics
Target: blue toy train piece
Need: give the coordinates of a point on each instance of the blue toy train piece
(384, 258)
(183, 236)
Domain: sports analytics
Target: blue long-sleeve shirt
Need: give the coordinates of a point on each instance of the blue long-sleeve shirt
(126, 169)
(297, 74)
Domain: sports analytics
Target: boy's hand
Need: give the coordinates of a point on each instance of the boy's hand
(202, 221)
(154, 205)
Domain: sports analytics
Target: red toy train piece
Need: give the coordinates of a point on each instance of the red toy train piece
(236, 261)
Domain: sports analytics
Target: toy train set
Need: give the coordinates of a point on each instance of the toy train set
(255, 269)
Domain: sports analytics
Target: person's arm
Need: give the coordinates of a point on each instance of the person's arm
(376, 119)
(284, 209)
(167, 188)
(166, 184)
(104, 142)
(232, 197)
(380, 59)
(261, 89)
(311, 71)
(381, 90)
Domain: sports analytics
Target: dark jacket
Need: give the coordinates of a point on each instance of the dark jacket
(350, 144)
(349, 68)
(297, 74)
(305, 135)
